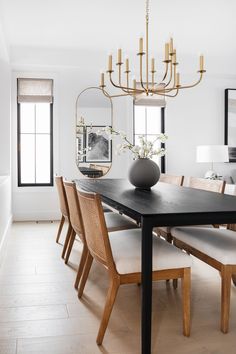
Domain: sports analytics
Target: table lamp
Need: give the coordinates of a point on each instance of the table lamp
(212, 153)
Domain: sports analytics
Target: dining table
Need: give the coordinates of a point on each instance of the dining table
(163, 205)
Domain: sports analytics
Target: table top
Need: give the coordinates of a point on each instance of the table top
(166, 204)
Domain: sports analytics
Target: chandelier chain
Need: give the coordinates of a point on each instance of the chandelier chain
(147, 11)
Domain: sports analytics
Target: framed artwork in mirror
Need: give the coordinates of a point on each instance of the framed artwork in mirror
(230, 122)
(80, 146)
(99, 145)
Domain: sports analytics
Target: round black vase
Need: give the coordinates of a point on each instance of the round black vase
(144, 173)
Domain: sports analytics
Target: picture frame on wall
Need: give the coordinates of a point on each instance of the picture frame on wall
(99, 145)
(80, 145)
(230, 122)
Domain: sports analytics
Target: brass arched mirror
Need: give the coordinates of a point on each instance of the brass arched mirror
(94, 111)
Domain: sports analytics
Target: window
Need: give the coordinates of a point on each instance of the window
(35, 132)
(149, 121)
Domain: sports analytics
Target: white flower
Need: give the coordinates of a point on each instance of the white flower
(122, 134)
(135, 149)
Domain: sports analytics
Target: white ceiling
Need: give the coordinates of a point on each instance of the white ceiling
(98, 26)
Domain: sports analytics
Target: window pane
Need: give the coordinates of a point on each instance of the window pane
(27, 158)
(27, 118)
(43, 158)
(153, 120)
(139, 120)
(42, 118)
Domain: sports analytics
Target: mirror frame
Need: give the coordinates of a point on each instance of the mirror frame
(232, 149)
(107, 96)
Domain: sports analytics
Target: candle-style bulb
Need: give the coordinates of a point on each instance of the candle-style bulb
(102, 80)
(201, 62)
(126, 64)
(119, 56)
(110, 63)
(167, 51)
(171, 46)
(177, 79)
(140, 45)
(152, 65)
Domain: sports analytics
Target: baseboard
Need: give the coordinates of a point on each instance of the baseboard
(37, 216)
(3, 243)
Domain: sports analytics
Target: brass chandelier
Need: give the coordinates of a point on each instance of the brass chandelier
(168, 86)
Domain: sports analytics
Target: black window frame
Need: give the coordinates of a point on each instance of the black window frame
(19, 183)
(163, 160)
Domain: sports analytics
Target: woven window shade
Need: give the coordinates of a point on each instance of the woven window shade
(35, 90)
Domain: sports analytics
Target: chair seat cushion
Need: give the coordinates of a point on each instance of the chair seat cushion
(117, 222)
(126, 250)
(219, 244)
(168, 229)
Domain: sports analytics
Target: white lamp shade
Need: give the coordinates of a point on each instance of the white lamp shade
(212, 153)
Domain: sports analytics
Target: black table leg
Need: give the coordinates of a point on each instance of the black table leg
(146, 286)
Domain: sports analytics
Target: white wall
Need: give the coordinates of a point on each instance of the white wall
(5, 144)
(196, 117)
(31, 203)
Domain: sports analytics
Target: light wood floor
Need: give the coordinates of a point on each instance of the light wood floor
(40, 312)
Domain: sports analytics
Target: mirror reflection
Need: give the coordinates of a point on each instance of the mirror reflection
(94, 112)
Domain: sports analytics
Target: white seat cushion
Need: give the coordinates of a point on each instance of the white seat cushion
(168, 229)
(219, 244)
(116, 222)
(126, 250)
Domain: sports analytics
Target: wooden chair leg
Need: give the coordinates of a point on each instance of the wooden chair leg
(87, 267)
(175, 283)
(70, 245)
(111, 296)
(225, 297)
(60, 228)
(186, 282)
(81, 265)
(66, 240)
(169, 237)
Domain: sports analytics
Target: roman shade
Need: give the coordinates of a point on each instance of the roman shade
(34, 90)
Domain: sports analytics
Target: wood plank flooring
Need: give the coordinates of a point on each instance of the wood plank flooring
(40, 312)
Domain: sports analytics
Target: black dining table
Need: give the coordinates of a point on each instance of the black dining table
(163, 205)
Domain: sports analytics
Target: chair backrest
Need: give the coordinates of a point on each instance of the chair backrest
(95, 228)
(74, 209)
(62, 196)
(210, 185)
(177, 180)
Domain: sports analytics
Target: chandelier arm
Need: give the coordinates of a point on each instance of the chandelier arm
(166, 72)
(171, 76)
(120, 84)
(141, 73)
(167, 88)
(112, 96)
(165, 95)
(163, 90)
(196, 83)
(128, 90)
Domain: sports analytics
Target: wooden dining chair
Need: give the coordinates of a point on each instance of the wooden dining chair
(119, 253)
(65, 215)
(196, 183)
(164, 231)
(217, 248)
(114, 222)
(77, 227)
